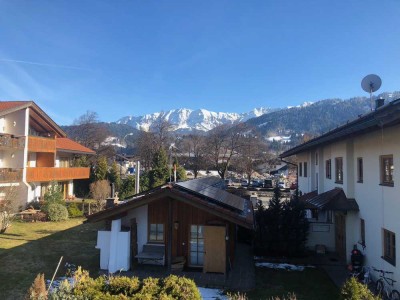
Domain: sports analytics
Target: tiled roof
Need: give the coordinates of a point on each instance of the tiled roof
(4, 105)
(71, 146)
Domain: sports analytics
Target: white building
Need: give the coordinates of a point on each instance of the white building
(34, 151)
(351, 179)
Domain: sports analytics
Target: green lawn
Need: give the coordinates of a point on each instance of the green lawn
(310, 284)
(27, 249)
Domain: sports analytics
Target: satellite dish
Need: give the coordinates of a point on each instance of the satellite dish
(371, 83)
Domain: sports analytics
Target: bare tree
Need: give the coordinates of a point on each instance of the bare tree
(162, 133)
(8, 206)
(100, 190)
(223, 143)
(194, 149)
(251, 154)
(146, 149)
(88, 131)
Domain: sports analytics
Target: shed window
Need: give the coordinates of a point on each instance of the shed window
(362, 233)
(300, 169)
(305, 169)
(156, 233)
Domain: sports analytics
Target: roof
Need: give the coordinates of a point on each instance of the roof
(334, 199)
(200, 193)
(385, 116)
(8, 105)
(68, 145)
(38, 116)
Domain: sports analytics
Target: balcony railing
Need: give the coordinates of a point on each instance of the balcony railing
(41, 144)
(10, 175)
(11, 142)
(56, 174)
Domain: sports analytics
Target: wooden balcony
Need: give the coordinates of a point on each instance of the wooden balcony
(8, 141)
(41, 144)
(10, 175)
(58, 174)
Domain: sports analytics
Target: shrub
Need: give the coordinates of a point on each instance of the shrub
(57, 212)
(38, 289)
(181, 287)
(354, 290)
(150, 286)
(123, 285)
(53, 195)
(74, 211)
(123, 288)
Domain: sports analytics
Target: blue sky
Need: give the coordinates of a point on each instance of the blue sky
(121, 58)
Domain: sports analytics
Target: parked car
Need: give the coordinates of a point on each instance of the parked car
(244, 182)
(268, 183)
(281, 185)
(228, 182)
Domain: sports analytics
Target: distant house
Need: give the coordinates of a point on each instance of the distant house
(350, 178)
(34, 151)
(195, 220)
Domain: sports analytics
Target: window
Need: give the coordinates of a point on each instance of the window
(360, 169)
(305, 169)
(328, 169)
(362, 232)
(316, 158)
(156, 233)
(389, 247)
(339, 170)
(387, 170)
(196, 245)
(300, 169)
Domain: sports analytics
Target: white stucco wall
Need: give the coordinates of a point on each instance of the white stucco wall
(14, 123)
(321, 234)
(379, 205)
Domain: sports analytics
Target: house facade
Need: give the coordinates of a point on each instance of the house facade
(350, 181)
(35, 151)
(195, 221)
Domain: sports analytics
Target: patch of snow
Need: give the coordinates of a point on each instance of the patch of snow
(207, 293)
(281, 266)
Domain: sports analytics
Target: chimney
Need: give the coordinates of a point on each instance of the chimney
(379, 102)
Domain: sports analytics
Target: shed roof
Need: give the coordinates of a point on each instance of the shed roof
(385, 116)
(194, 192)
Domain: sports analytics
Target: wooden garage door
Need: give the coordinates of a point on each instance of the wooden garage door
(214, 249)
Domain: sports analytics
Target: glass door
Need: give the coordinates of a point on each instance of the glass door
(196, 245)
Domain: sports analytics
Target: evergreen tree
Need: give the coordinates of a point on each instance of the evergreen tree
(114, 176)
(274, 216)
(101, 170)
(159, 173)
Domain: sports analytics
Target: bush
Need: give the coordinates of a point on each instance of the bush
(74, 211)
(181, 288)
(354, 290)
(123, 285)
(38, 289)
(57, 212)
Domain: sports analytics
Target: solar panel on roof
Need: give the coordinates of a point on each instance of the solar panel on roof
(210, 187)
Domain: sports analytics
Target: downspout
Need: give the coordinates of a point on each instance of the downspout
(297, 174)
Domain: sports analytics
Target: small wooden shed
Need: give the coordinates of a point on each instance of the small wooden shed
(194, 220)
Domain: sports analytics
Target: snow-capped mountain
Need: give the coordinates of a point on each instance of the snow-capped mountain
(191, 120)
